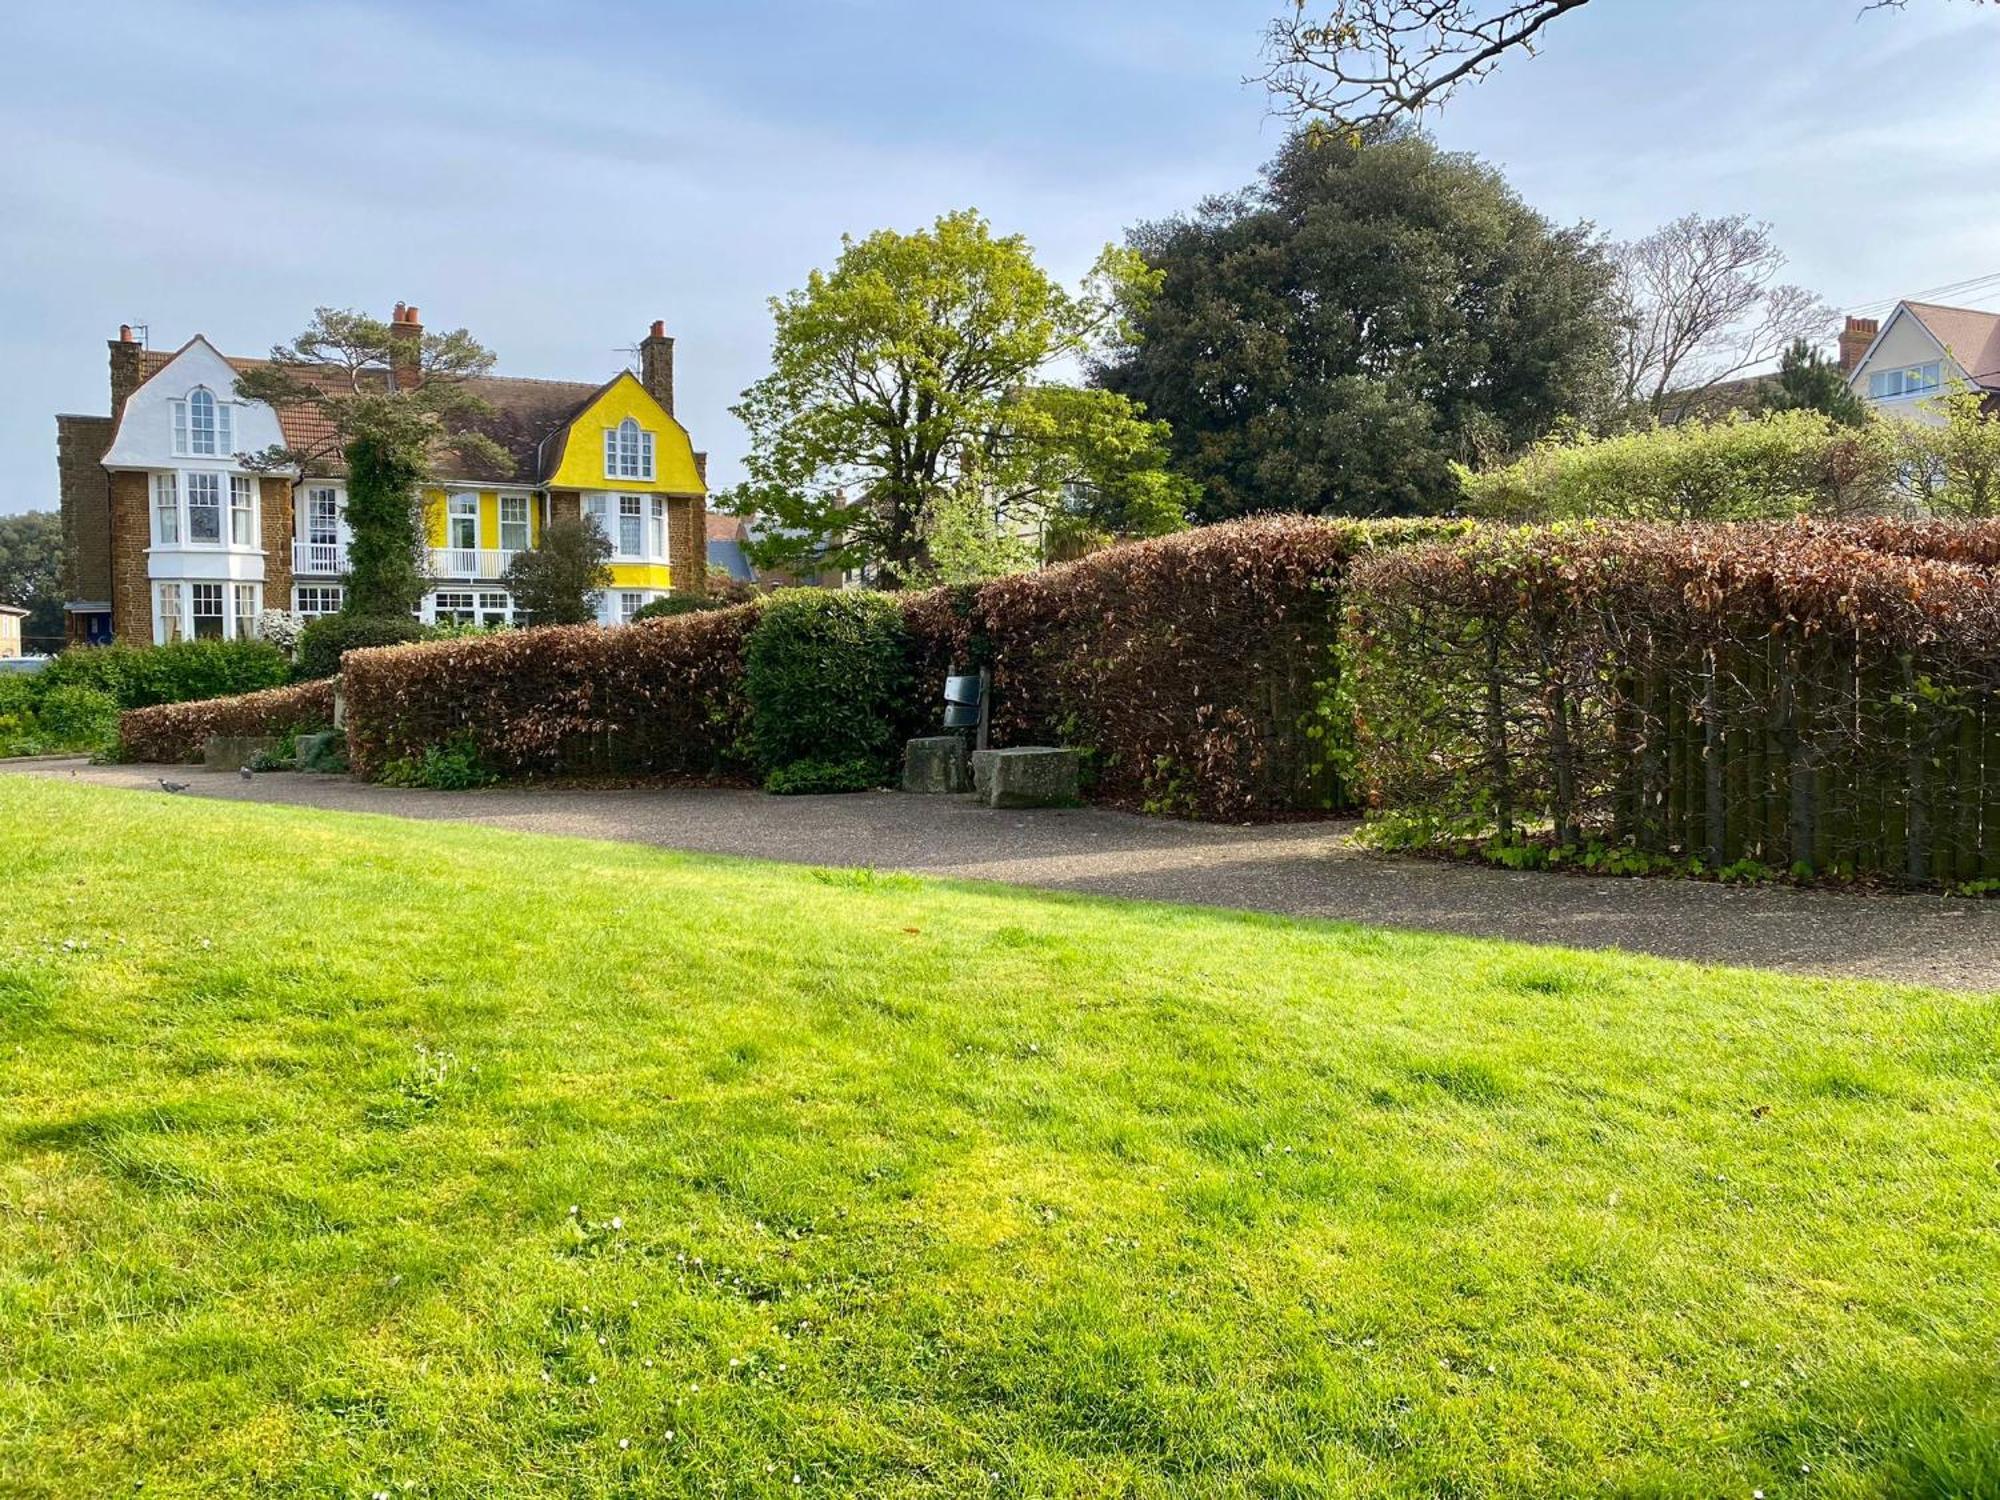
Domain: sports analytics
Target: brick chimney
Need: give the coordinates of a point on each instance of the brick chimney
(406, 334)
(656, 365)
(125, 352)
(1854, 341)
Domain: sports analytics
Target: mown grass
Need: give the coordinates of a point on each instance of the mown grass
(341, 1156)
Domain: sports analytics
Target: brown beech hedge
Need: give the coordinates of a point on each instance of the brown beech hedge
(178, 731)
(1196, 669)
(662, 697)
(1811, 696)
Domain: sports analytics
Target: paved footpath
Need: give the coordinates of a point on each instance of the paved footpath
(1301, 869)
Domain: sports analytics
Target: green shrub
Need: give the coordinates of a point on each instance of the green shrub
(810, 777)
(1737, 469)
(141, 676)
(17, 694)
(453, 766)
(827, 675)
(327, 639)
(78, 715)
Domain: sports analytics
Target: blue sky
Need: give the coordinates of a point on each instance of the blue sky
(556, 176)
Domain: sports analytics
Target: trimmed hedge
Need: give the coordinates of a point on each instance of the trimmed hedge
(326, 640)
(1808, 697)
(181, 672)
(1197, 669)
(660, 698)
(827, 675)
(178, 731)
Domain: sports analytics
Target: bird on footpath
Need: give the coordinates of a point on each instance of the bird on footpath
(172, 786)
(246, 773)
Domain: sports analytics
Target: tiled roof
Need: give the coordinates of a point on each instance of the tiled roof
(723, 527)
(1971, 336)
(524, 411)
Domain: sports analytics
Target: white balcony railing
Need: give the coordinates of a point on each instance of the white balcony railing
(470, 562)
(319, 559)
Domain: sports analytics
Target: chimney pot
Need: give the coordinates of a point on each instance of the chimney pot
(398, 314)
(659, 328)
(410, 314)
(124, 333)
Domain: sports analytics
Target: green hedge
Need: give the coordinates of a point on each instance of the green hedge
(140, 676)
(327, 639)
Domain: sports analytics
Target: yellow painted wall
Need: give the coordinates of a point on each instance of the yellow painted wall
(583, 449)
(641, 575)
(488, 535)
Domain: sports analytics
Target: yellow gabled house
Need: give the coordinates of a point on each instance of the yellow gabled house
(617, 458)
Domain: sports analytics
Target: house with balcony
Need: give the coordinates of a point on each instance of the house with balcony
(170, 533)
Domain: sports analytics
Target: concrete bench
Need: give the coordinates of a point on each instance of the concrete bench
(936, 763)
(1027, 776)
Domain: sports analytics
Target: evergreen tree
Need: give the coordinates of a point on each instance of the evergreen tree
(1808, 381)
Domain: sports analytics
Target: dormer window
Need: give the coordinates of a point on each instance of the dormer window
(202, 426)
(628, 451)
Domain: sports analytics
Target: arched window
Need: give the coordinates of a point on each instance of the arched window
(628, 451)
(201, 425)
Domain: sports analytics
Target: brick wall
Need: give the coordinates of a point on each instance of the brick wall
(131, 535)
(687, 530)
(275, 502)
(86, 506)
(564, 505)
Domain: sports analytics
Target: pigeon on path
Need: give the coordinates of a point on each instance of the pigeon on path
(246, 773)
(172, 786)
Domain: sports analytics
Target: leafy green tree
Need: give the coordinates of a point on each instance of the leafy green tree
(1808, 381)
(1333, 338)
(397, 409)
(1953, 469)
(561, 580)
(918, 366)
(31, 574)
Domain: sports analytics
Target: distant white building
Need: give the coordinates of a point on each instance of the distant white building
(1920, 352)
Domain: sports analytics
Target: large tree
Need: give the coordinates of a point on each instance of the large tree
(31, 574)
(1700, 303)
(918, 370)
(1335, 337)
(396, 411)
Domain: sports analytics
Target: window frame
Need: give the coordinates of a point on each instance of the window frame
(330, 590)
(316, 496)
(197, 591)
(453, 515)
(628, 451)
(244, 620)
(630, 602)
(209, 483)
(169, 625)
(631, 508)
(167, 509)
(658, 528)
(243, 509)
(524, 524)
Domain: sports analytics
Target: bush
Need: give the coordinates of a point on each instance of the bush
(140, 676)
(1780, 697)
(1786, 464)
(453, 766)
(661, 698)
(179, 731)
(811, 777)
(78, 715)
(827, 677)
(694, 604)
(327, 639)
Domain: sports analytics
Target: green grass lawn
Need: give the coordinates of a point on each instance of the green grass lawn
(342, 1156)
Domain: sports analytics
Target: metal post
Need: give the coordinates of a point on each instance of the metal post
(985, 706)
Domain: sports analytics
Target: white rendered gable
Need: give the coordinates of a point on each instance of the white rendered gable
(146, 432)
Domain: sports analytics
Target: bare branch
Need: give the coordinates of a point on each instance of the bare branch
(1371, 62)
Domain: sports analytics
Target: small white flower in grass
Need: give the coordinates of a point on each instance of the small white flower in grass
(572, 1210)
(591, 1381)
(670, 1434)
(1743, 1385)
(617, 1222)
(648, 1364)
(624, 1443)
